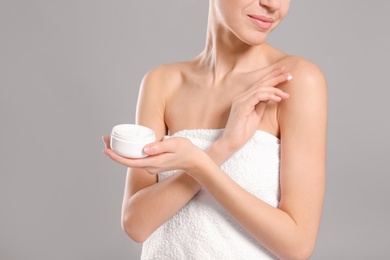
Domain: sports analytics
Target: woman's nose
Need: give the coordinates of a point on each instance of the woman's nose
(271, 5)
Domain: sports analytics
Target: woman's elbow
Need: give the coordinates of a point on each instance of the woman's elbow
(133, 230)
(303, 252)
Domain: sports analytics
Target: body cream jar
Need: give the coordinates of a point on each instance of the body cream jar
(128, 140)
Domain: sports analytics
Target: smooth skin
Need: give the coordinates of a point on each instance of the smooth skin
(239, 83)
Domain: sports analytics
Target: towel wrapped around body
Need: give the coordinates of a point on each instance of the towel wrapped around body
(203, 229)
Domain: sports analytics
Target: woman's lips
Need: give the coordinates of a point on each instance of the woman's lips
(261, 21)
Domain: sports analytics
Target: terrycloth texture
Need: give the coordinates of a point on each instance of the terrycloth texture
(204, 230)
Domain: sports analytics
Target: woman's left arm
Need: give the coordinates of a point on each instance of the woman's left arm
(289, 231)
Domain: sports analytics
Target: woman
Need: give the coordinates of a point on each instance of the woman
(242, 175)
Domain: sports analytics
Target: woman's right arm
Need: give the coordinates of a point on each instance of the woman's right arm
(147, 203)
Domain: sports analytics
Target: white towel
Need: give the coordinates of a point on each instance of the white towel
(203, 229)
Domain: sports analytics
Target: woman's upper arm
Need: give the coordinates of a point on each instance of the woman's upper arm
(150, 113)
(303, 123)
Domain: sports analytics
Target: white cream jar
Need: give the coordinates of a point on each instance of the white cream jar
(128, 140)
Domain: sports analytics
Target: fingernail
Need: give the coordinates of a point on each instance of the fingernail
(146, 149)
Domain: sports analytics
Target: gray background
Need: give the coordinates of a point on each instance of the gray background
(70, 70)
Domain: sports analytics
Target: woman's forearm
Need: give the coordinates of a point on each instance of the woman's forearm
(273, 227)
(150, 207)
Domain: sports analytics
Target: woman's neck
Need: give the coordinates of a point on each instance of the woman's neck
(224, 53)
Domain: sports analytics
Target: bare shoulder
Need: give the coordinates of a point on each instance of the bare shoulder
(164, 76)
(305, 75)
(308, 93)
(156, 87)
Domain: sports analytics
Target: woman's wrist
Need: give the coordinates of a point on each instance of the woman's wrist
(220, 151)
(215, 156)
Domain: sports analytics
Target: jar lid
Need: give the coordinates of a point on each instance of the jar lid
(133, 133)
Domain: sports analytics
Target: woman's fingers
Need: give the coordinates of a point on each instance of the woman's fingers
(162, 159)
(129, 162)
(157, 148)
(169, 145)
(114, 156)
(160, 155)
(260, 108)
(119, 159)
(256, 95)
(270, 82)
(262, 92)
(271, 74)
(274, 81)
(267, 90)
(106, 140)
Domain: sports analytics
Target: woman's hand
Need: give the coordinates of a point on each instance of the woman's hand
(248, 109)
(171, 154)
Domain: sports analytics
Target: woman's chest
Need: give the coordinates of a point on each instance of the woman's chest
(197, 107)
